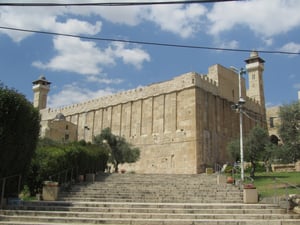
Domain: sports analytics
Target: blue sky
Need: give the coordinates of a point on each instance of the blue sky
(80, 69)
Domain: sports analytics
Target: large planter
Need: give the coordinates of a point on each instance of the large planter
(250, 195)
(90, 177)
(80, 178)
(209, 170)
(50, 191)
(230, 180)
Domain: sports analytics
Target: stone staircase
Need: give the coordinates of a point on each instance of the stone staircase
(149, 200)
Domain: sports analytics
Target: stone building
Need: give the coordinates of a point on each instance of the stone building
(59, 129)
(273, 123)
(181, 126)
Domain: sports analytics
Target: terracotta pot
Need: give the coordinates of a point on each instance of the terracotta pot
(230, 180)
(249, 186)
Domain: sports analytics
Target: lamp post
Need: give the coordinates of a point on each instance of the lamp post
(239, 107)
(84, 130)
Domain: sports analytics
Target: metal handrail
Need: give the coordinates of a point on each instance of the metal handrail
(64, 174)
(235, 171)
(287, 185)
(218, 168)
(249, 178)
(4, 179)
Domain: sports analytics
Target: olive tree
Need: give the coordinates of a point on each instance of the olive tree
(256, 148)
(120, 150)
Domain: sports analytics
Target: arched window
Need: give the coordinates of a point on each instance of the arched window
(274, 139)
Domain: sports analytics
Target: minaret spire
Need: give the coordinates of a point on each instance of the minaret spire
(255, 69)
(40, 87)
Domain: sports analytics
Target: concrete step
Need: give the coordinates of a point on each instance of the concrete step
(153, 221)
(150, 208)
(154, 188)
(149, 200)
(120, 213)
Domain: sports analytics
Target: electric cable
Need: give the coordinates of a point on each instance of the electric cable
(128, 3)
(149, 43)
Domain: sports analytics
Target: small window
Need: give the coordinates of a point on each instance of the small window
(67, 127)
(67, 137)
(271, 119)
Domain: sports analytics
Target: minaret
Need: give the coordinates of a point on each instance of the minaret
(40, 87)
(255, 68)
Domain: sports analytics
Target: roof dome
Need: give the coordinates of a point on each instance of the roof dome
(42, 77)
(254, 54)
(60, 116)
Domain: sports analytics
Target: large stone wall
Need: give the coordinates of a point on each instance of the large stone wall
(181, 125)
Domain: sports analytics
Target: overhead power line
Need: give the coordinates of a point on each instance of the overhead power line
(128, 3)
(148, 43)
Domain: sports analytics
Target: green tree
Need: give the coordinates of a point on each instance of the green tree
(19, 132)
(52, 158)
(120, 150)
(257, 146)
(289, 131)
(233, 148)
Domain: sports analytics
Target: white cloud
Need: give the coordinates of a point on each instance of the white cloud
(296, 86)
(231, 44)
(266, 18)
(37, 18)
(181, 20)
(268, 41)
(75, 55)
(134, 56)
(84, 57)
(291, 47)
(74, 26)
(130, 16)
(72, 94)
(104, 80)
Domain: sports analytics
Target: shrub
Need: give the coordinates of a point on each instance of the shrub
(53, 158)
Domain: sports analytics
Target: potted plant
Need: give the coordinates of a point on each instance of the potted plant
(249, 186)
(230, 180)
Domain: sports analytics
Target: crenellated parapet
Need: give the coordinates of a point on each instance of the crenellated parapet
(212, 84)
(179, 83)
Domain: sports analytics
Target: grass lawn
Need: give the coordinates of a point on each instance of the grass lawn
(267, 186)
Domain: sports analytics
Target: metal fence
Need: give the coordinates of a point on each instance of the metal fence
(15, 181)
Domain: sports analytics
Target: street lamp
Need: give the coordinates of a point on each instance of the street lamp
(239, 107)
(84, 129)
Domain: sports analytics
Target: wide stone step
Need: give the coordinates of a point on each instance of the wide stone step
(137, 188)
(209, 195)
(145, 213)
(149, 200)
(146, 221)
(154, 188)
(167, 201)
(150, 207)
(139, 215)
(155, 210)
